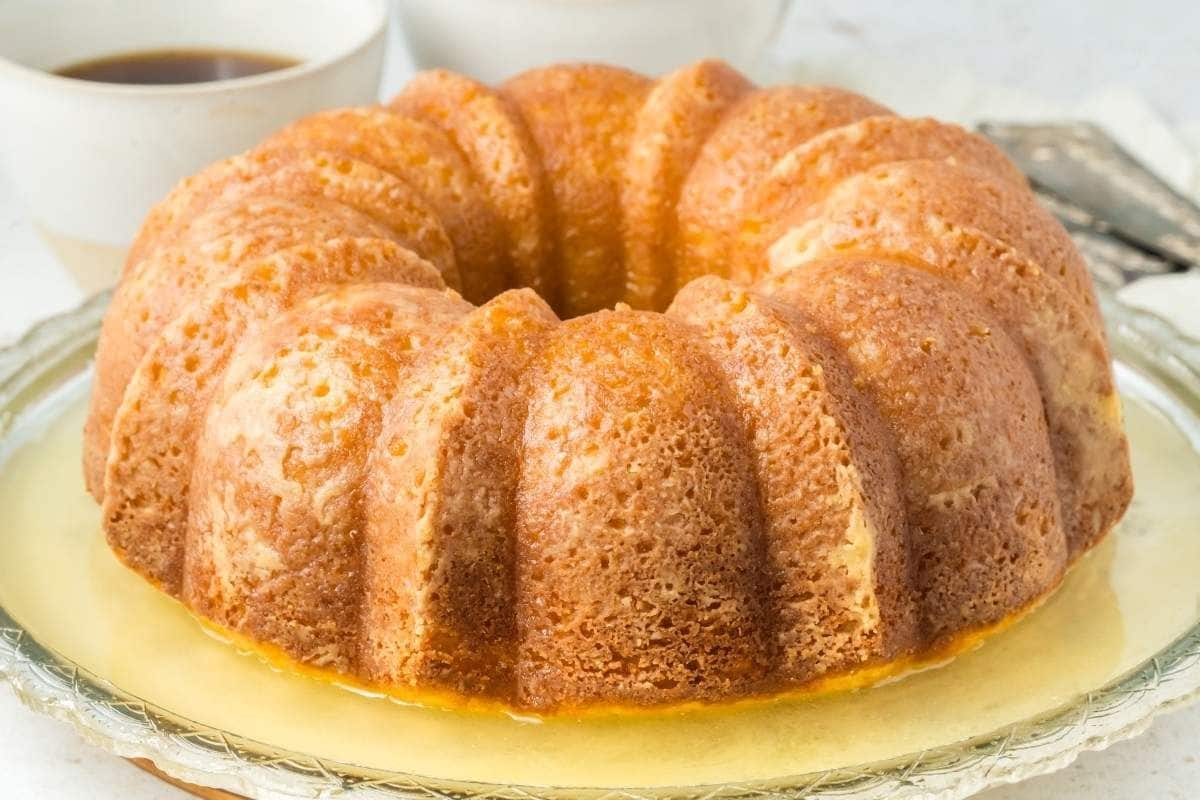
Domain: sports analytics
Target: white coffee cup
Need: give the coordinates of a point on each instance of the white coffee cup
(495, 39)
(88, 159)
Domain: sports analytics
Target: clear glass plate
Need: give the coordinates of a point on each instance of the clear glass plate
(1156, 365)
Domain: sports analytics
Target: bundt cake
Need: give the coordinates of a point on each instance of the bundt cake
(590, 389)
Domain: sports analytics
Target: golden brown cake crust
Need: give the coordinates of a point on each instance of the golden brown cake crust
(276, 506)
(289, 172)
(492, 135)
(680, 112)
(897, 438)
(761, 128)
(791, 192)
(441, 488)
(581, 118)
(424, 157)
(965, 196)
(155, 429)
(966, 419)
(1067, 356)
(154, 290)
(828, 476)
(640, 563)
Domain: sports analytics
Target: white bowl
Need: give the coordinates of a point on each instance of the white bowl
(88, 159)
(494, 39)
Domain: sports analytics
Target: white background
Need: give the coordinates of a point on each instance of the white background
(1135, 67)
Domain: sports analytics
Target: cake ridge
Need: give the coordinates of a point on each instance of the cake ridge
(442, 474)
(977, 418)
(151, 292)
(425, 158)
(759, 342)
(275, 522)
(801, 179)
(494, 138)
(146, 520)
(774, 119)
(670, 130)
(1068, 358)
(829, 391)
(582, 146)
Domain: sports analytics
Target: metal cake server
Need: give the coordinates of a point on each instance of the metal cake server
(1127, 222)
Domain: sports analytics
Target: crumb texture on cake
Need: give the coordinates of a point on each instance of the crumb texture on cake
(595, 389)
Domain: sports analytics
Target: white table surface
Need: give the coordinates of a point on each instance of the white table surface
(930, 58)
